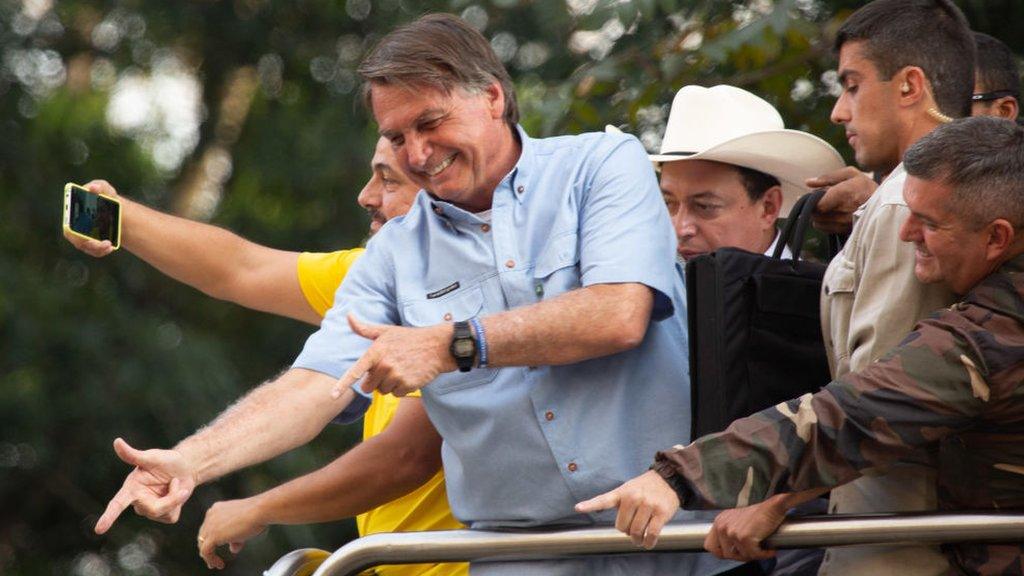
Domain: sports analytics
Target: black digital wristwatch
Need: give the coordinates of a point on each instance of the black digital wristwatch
(463, 347)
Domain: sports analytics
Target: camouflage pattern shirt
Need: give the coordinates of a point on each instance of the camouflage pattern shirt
(955, 383)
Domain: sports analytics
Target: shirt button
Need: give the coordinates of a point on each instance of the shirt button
(447, 316)
(521, 189)
(572, 467)
(549, 415)
(510, 264)
(485, 227)
(438, 210)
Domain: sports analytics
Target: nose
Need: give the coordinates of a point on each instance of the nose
(910, 230)
(418, 151)
(841, 110)
(684, 224)
(370, 197)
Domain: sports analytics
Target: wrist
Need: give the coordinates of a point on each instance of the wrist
(260, 510)
(191, 463)
(445, 333)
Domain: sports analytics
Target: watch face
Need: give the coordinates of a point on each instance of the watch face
(463, 347)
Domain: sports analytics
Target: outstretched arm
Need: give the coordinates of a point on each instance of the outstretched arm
(213, 260)
(387, 466)
(270, 420)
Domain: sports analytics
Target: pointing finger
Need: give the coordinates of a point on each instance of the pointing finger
(355, 372)
(604, 501)
(115, 507)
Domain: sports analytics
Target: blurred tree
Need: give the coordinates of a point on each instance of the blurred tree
(246, 113)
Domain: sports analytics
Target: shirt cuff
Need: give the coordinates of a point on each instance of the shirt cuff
(665, 468)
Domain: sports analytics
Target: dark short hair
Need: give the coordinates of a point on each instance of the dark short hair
(440, 51)
(997, 68)
(930, 34)
(755, 182)
(982, 159)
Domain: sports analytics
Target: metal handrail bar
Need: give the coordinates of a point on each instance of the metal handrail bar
(807, 532)
(301, 562)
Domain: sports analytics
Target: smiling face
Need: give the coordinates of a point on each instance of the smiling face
(947, 249)
(868, 108)
(388, 193)
(711, 209)
(457, 146)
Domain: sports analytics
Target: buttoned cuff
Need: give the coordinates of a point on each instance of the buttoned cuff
(665, 468)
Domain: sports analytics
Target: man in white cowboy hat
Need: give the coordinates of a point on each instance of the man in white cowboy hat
(729, 169)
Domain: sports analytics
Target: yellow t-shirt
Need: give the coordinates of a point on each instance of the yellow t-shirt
(425, 508)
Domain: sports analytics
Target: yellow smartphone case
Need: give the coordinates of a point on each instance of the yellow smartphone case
(67, 213)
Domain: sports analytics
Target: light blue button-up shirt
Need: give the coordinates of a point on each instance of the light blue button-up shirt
(522, 445)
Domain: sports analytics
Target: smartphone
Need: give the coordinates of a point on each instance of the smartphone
(92, 215)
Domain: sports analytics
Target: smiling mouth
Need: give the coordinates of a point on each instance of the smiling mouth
(434, 171)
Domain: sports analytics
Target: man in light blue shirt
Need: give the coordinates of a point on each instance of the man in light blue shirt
(559, 255)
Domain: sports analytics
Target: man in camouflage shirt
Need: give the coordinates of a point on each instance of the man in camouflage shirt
(955, 383)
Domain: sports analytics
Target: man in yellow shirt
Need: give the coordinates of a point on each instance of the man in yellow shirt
(392, 480)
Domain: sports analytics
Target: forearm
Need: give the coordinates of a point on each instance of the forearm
(272, 419)
(357, 482)
(215, 261)
(386, 466)
(579, 325)
(772, 452)
(786, 501)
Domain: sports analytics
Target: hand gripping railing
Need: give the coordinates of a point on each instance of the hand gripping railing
(809, 532)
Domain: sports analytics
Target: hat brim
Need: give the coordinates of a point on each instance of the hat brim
(790, 156)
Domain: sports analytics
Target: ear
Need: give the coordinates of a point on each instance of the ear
(913, 86)
(1006, 107)
(771, 205)
(495, 100)
(1001, 238)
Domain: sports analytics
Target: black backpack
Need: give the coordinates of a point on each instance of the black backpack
(755, 327)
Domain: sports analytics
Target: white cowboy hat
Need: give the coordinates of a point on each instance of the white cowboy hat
(727, 124)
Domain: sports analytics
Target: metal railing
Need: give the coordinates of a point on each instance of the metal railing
(809, 532)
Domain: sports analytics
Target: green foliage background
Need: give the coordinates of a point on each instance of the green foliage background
(91, 350)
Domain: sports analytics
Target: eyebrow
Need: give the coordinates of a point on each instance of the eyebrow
(705, 195)
(845, 75)
(429, 114)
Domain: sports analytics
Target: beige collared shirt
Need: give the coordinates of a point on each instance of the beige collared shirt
(870, 302)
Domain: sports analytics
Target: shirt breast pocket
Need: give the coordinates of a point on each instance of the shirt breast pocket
(557, 268)
(460, 305)
(840, 280)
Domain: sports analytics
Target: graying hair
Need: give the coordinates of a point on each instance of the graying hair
(982, 159)
(439, 51)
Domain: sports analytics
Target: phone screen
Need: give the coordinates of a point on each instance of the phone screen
(94, 216)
